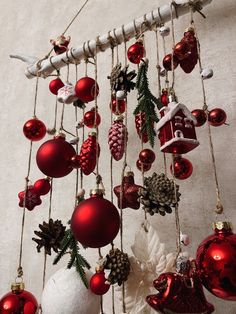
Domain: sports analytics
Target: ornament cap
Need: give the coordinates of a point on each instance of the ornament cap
(60, 135)
(129, 174)
(93, 133)
(219, 225)
(97, 192)
(17, 286)
(119, 118)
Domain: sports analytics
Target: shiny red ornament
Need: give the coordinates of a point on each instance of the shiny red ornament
(55, 85)
(216, 261)
(30, 199)
(164, 98)
(91, 118)
(129, 191)
(89, 152)
(183, 168)
(139, 122)
(190, 60)
(143, 167)
(34, 129)
(86, 89)
(136, 52)
(95, 221)
(98, 283)
(200, 116)
(75, 161)
(217, 117)
(118, 106)
(167, 62)
(42, 186)
(182, 50)
(54, 157)
(147, 156)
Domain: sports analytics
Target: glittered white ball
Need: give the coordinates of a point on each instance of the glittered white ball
(164, 31)
(65, 293)
(120, 94)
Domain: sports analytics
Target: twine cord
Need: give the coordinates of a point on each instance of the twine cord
(173, 42)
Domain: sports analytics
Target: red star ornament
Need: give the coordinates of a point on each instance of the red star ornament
(32, 198)
(130, 192)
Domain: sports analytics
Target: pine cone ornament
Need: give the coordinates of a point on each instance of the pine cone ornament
(50, 236)
(121, 79)
(88, 154)
(119, 265)
(139, 122)
(158, 194)
(117, 138)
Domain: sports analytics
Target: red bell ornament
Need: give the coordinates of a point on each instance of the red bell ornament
(217, 117)
(136, 52)
(216, 262)
(200, 116)
(118, 106)
(34, 129)
(167, 62)
(54, 157)
(147, 156)
(95, 221)
(42, 186)
(183, 168)
(98, 283)
(18, 301)
(86, 89)
(55, 85)
(143, 167)
(92, 118)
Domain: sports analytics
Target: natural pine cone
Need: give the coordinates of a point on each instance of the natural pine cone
(119, 265)
(50, 236)
(118, 135)
(121, 79)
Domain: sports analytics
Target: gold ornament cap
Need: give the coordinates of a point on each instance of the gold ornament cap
(129, 174)
(119, 118)
(60, 135)
(93, 133)
(97, 192)
(17, 286)
(220, 225)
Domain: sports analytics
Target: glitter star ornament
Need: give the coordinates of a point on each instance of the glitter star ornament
(66, 94)
(130, 192)
(31, 198)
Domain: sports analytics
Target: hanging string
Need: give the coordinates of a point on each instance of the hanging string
(173, 43)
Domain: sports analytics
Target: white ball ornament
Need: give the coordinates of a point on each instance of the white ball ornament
(206, 73)
(65, 293)
(164, 31)
(120, 95)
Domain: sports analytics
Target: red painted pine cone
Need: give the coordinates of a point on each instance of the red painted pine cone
(118, 135)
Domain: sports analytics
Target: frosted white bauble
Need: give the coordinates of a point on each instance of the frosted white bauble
(65, 293)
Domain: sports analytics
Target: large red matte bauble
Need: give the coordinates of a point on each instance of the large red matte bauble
(118, 106)
(95, 222)
(97, 283)
(22, 302)
(34, 129)
(182, 50)
(182, 168)
(167, 62)
(86, 89)
(200, 116)
(136, 52)
(55, 85)
(92, 118)
(216, 261)
(143, 167)
(42, 186)
(54, 157)
(217, 117)
(147, 156)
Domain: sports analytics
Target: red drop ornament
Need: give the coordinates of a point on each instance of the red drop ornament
(216, 261)
(147, 156)
(167, 62)
(86, 89)
(217, 117)
(55, 85)
(54, 157)
(118, 106)
(143, 167)
(34, 129)
(42, 186)
(164, 97)
(95, 221)
(88, 154)
(182, 168)
(98, 283)
(200, 116)
(136, 52)
(92, 118)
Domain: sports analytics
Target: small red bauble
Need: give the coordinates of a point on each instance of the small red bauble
(147, 156)
(167, 62)
(216, 261)
(75, 161)
(143, 167)
(136, 52)
(55, 85)
(42, 186)
(97, 283)
(217, 117)
(92, 118)
(95, 221)
(200, 116)
(54, 157)
(182, 168)
(182, 50)
(86, 89)
(34, 129)
(118, 106)
(164, 98)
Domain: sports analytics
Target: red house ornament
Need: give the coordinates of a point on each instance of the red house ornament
(176, 129)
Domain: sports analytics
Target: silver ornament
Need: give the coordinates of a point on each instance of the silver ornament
(164, 31)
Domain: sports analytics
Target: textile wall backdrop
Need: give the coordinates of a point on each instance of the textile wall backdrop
(26, 27)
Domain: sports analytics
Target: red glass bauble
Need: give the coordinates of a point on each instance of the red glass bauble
(136, 52)
(216, 261)
(182, 50)
(97, 283)
(42, 186)
(55, 85)
(167, 62)
(200, 116)
(147, 156)
(54, 157)
(183, 168)
(75, 161)
(217, 117)
(118, 106)
(95, 222)
(34, 129)
(164, 98)
(86, 89)
(143, 167)
(92, 118)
